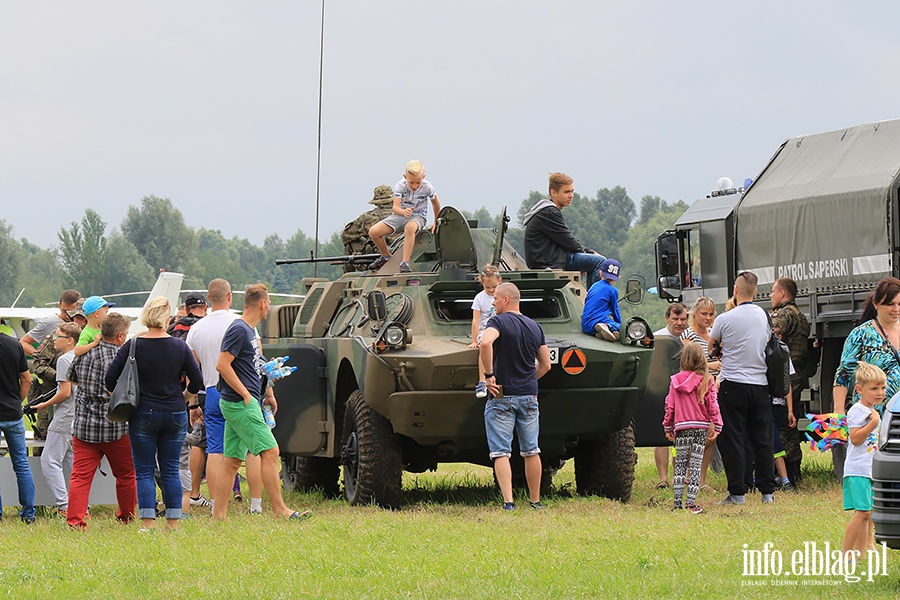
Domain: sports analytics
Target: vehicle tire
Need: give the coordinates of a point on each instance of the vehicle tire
(370, 456)
(606, 468)
(306, 474)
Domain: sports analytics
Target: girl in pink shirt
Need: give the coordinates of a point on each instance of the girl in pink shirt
(692, 418)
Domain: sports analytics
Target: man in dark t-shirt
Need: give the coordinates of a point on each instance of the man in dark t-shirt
(15, 380)
(510, 345)
(245, 429)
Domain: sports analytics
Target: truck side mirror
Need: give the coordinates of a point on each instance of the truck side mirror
(375, 306)
(669, 288)
(667, 255)
(634, 290)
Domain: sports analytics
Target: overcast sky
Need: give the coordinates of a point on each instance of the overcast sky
(214, 104)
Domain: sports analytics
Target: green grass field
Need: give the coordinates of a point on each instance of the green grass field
(451, 540)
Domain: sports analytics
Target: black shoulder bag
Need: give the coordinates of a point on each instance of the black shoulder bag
(124, 400)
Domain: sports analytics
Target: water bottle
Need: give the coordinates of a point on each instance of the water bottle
(269, 416)
(273, 365)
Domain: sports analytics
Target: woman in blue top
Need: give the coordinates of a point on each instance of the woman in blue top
(874, 341)
(160, 423)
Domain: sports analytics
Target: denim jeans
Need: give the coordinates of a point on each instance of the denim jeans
(14, 433)
(589, 264)
(504, 415)
(156, 438)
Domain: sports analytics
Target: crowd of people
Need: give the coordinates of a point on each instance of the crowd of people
(199, 374)
(201, 393)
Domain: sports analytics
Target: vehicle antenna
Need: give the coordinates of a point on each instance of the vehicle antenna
(319, 145)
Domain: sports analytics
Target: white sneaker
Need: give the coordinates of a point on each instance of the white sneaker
(201, 501)
(603, 332)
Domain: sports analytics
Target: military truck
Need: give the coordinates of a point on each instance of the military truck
(386, 381)
(824, 211)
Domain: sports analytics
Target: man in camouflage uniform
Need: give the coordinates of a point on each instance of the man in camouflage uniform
(43, 369)
(43, 380)
(355, 236)
(793, 327)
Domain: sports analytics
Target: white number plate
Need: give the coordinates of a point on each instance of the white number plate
(554, 355)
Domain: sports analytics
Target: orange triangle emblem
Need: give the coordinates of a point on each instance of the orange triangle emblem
(573, 361)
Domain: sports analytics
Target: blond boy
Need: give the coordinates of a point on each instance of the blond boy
(862, 421)
(411, 196)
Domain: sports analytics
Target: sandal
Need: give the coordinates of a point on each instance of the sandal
(663, 484)
(705, 487)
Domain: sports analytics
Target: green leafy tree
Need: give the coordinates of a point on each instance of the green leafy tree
(81, 252)
(10, 264)
(615, 212)
(158, 231)
(41, 276)
(125, 270)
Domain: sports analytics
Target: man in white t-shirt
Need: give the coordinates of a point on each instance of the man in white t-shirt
(744, 399)
(205, 340)
(68, 303)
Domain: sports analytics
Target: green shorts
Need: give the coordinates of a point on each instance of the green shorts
(245, 430)
(858, 493)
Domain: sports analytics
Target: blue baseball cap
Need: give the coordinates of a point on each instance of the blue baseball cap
(95, 303)
(610, 269)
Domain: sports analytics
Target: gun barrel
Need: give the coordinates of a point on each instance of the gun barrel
(337, 260)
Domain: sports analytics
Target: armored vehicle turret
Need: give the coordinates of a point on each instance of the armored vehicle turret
(386, 379)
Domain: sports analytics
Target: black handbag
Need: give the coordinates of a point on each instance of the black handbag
(124, 400)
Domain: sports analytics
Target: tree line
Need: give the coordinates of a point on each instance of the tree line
(97, 259)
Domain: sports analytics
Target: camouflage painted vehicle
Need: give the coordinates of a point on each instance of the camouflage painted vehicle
(385, 379)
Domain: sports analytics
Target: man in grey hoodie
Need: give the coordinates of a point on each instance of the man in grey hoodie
(548, 240)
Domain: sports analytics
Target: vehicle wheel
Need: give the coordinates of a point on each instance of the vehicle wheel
(306, 474)
(370, 455)
(606, 468)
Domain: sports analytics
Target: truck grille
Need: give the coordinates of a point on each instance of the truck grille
(887, 494)
(893, 444)
(309, 306)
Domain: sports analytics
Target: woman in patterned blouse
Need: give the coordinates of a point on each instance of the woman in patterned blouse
(874, 341)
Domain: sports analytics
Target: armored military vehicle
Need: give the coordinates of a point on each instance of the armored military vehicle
(824, 212)
(386, 380)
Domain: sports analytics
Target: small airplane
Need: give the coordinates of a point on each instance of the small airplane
(18, 321)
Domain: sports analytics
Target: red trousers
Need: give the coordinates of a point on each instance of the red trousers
(86, 459)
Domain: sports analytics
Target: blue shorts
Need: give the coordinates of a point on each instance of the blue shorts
(214, 421)
(504, 415)
(779, 417)
(858, 494)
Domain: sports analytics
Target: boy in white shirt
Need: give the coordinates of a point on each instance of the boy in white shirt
(862, 421)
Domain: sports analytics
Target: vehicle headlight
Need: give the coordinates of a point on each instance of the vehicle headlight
(636, 330)
(395, 335)
(884, 429)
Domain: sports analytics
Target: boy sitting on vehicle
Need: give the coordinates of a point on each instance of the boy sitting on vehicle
(411, 196)
(601, 315)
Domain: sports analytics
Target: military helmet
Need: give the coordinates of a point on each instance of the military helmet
(382, 195)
